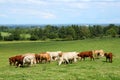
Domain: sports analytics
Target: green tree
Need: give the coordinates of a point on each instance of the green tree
(119, 31)
(96, 31)
(9, 38)
(111, 32)
(70, 32)
(77, 32)
(62, 32)
(51, 31)
(1, 38)
(33, 38)
(16, 35)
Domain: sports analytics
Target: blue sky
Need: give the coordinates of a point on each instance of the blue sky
(59, 11)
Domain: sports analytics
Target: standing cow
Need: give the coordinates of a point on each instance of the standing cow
(67, 57)
(16, 60)
(44, 57)
(109, 56)
(85, 54)
(29, 60)
(98, 53)
(54, 55)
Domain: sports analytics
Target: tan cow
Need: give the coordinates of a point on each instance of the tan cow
(44, 57)
(98, 53)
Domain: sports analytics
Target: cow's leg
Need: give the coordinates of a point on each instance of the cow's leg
(17, 64)
(14, 63)
(110, 60)
(67, 61)
(81, 59)
(84, 58)
(61, 60)
(31, 62)
(106, 59)
(75, 60)
(51, 58)
(92, 58)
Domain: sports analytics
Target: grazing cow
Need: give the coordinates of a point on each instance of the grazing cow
(12, 61)
(67, 57)
(53, 55)
(109, 56)
(98, 53)
(16, 60)
(44, 57)
(29, 59)
(19, 60)
(86, 54)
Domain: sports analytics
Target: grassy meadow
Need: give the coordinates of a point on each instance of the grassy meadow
(82, 70)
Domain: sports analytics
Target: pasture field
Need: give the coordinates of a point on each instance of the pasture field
(82, 70)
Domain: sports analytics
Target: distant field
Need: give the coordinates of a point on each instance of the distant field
(5, 33)
(25, 36)
(82, 70)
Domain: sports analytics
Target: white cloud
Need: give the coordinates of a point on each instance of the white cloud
(48, 16)
(33, 13)
(23, 2)
(3, 15)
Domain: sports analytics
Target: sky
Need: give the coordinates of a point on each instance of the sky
(59, 11)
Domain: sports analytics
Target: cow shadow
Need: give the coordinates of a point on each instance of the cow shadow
(106, 62)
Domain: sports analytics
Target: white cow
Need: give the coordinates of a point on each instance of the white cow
(67, 56)
(54, 55)
(29, 60)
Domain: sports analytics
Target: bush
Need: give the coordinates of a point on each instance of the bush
(68, 38)
(34, 38)
(9, 38)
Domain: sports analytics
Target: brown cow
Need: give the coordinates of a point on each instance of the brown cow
(16, 60)
(19, 60)
(44, 57)
(86, 54)
(109, 56)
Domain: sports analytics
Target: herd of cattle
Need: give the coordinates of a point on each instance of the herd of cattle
(29, 59)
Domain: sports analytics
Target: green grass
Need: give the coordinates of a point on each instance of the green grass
(84, 70)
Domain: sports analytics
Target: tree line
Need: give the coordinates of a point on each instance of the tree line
(70, 32)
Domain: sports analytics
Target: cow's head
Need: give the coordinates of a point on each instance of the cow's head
(60, 54)
(10, 61)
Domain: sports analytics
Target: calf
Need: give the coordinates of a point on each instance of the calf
(86, 54)
(109, 56)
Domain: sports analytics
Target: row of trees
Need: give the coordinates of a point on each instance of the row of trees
(71, 32)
